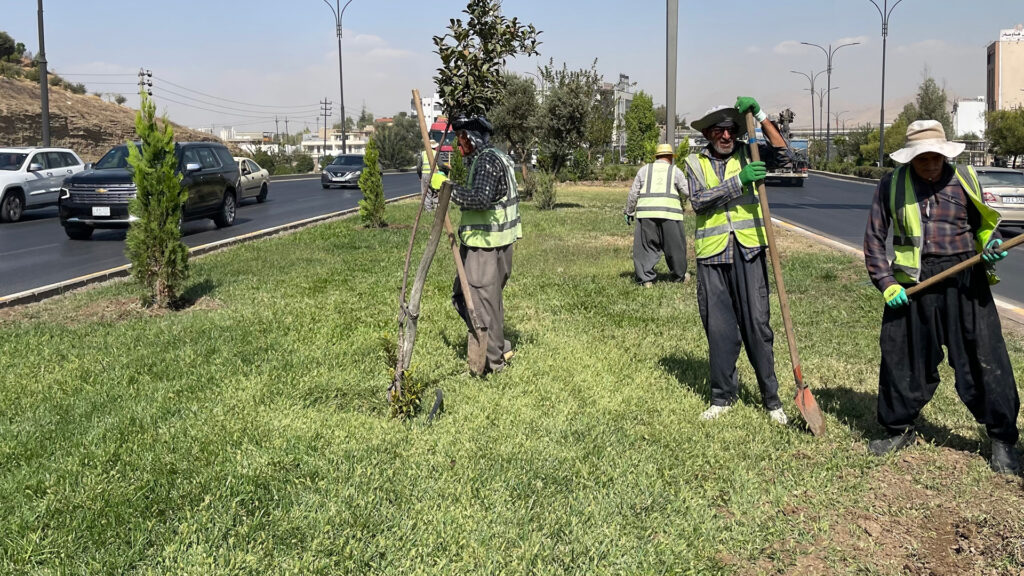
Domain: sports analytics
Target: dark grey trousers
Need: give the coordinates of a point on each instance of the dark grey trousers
(487, 272)
(654, 236)
(733, 303)
(959, 314)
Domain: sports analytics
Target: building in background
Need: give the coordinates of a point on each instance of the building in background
(1006, 70)
(969, 117)
(622, 93)
(432, 108)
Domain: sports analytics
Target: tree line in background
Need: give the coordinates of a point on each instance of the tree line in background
(17, 62)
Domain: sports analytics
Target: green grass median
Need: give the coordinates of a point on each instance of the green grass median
(249, 434)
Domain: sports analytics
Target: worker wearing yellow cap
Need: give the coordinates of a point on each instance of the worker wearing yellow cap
(656, 200)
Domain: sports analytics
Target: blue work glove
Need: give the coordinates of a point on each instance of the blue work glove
(628, 219)
(992, 253)
(745, 103)
(753, 171)
(895, 296)
(436, 180)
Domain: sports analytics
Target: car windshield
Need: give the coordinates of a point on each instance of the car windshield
(998, 179)
(435, 136)
(116, 158)
(12, 161)
(348, 161)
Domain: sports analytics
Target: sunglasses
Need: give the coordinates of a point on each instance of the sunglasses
(719, 130)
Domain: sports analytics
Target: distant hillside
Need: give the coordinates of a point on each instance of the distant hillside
(85, 123)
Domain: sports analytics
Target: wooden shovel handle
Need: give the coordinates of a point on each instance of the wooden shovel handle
(952, 270)
(787, 321)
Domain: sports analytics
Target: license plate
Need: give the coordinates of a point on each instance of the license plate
(101, 210)
(1013, 199)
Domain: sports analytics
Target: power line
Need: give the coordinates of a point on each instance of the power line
(180, 95)
(83, 74)
(266, 118)
(303, 106)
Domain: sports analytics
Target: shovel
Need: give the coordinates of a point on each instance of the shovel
(804, 399)
(476, 341)
(952, 270)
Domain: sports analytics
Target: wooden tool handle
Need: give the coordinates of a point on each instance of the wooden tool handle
(952, 270)
(787, 321)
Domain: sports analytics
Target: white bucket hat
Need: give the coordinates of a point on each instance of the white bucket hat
(718, 115)
(926, 136)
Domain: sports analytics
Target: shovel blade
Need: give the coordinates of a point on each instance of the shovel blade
(476, 351)
(809, 410)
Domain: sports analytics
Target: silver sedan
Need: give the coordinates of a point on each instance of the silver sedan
(255, 181)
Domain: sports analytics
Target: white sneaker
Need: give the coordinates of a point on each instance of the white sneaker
(714, 412)
(779, 416)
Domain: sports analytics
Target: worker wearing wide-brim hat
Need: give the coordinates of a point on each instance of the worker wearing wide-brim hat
(656, 201)
(423, 168)
(938, 219)
(730, 241)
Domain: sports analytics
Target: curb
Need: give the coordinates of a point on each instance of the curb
(51, 290)
(1009, 310)
(843, 177)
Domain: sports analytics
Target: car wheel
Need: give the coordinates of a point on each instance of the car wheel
(226, 216)
(325, 186)
(12, 207)
(800, 183)
(78, 231)
(262, 197)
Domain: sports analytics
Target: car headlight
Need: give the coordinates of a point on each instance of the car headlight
(65, 194)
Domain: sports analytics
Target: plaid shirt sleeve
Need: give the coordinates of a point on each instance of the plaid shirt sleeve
(875, 258)
(705, 199)
(489, 184)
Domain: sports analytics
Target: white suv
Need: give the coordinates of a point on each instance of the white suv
(31, 178)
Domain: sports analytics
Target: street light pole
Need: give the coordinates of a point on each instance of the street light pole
(837, 116)
(811, 78)
(884, 11)
(828, 74)
(671, 51)
(338, 16)
(44, 92)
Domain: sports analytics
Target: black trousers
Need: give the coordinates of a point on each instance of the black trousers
(654, 236)
(487, 272)
(960, 315)
(733, 303)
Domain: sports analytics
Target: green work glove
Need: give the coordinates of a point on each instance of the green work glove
(895, 296)
(745, 103)
(628, 219)
(753, 171)
(992, 253)
(436, 180)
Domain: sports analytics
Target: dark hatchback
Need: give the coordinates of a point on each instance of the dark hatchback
(99, 198)
(344, 170)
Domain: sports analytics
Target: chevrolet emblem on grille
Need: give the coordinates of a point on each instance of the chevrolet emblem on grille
(101, 190)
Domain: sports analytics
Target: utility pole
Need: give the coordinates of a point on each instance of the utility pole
(672, 50)
(146, 81)
(277, 130)
(286, 129)
(44, 91)
(325, 106)
(884, 11)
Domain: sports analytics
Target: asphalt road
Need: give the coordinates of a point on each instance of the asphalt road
(839, 209)
(35, 252)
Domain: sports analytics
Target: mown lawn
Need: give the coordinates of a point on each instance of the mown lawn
(250, 435)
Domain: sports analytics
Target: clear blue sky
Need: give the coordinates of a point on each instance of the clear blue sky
(283, 55)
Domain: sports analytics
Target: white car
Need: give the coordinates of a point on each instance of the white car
(1003, 189)
(255, 181)
(31, 178)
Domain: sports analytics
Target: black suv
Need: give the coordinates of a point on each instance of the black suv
(98, 198)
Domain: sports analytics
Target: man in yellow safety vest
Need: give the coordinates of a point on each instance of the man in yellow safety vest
(488, 227)
(656, 200)
(938, 219)
(732, 275)
(423, 169)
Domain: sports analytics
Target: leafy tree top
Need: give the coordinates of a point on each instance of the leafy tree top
(473, 54)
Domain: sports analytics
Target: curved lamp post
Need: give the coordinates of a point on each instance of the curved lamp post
(884, 11)
(828, 74)
(811, 78)
(338, 15)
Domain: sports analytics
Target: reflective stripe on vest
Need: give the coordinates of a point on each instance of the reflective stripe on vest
(740, 216)
(425, 162)
(499, 225)
(659, 199)
(908, 237)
